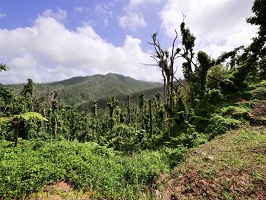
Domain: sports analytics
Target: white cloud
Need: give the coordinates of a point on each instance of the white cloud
(134, 17)
(134, 3)
(48, 51)
(104, 11)
(59, 15)
(132, 21)
(101, 13)
(219, 23)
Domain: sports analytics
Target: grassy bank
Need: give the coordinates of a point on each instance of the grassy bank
(232, 166)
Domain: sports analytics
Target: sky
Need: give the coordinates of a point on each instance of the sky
(54, 40)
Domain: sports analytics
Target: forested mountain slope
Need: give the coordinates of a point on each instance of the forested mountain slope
(81, 91)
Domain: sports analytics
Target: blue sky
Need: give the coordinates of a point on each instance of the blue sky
(54, 40)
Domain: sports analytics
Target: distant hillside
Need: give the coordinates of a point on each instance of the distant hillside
(81, 91)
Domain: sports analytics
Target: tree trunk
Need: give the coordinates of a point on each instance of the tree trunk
(17, 132)
(55, 126)
(150, 110)
(128, 111)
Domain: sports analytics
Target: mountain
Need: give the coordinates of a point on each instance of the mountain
(81, 91)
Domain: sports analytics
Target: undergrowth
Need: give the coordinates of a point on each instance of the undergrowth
(88, 166)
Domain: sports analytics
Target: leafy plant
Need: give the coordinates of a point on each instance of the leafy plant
(17, 119)
(90, 167)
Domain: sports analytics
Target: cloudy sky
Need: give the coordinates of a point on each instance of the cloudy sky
(54, 40)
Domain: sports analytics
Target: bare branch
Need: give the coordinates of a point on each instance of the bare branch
(149, 64)
(184, 16)
(180, 83)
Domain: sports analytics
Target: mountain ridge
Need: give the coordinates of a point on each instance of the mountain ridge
(79, 90)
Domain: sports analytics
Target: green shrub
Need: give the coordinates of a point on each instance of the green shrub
(199, 122)
(89, 166)
(124, 138)
(219, 125)
(235, 112)
(184, 135)
(174, 156)
(259, 91)
(214, 96)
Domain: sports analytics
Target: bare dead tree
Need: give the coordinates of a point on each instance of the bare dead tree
(165, 61)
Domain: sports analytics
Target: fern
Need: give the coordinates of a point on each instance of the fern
(31, 116)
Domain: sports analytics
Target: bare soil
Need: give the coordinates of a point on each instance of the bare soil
(59, 191)
(258, 115)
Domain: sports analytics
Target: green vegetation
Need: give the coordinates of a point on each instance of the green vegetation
(232, 166)
(89, 167)
(116, 144)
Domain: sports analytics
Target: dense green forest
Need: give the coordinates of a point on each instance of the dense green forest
(116, 147)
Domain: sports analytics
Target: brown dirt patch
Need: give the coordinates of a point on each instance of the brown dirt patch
(258, 115)
(59, 186)
(260, 109)
(59, 191)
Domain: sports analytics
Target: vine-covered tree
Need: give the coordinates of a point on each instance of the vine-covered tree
(28, 89)
(195, 73)
(94, 108)
(258, 47)
(194, 69)
(27, 92)
(112, 104)
(249, 64)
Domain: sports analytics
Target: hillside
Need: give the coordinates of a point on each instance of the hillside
(232, 166)
(81, 91)
(226, 160)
